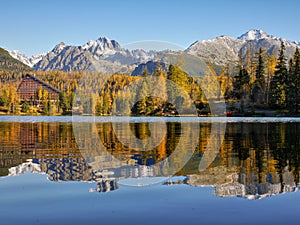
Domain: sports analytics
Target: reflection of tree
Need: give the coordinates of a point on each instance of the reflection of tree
(141, 131)
(261, 157)
(259, 144)
(22, 141)
(285, 146)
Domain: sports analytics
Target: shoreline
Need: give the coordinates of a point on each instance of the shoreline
(132, 119)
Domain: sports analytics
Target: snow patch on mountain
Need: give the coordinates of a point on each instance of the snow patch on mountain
(25, 59)
(103, 55)
(108, 56)
(219, 50)
(254, 35)
(223, 50)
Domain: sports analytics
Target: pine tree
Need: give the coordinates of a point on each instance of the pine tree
(25, 107)
(241, 87)
(259, 85)
(64, 101)
(293, 83)
(278, 82)
(241, 84)
(297, 79)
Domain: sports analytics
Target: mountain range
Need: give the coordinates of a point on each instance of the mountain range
(225, 49)
(105, 55)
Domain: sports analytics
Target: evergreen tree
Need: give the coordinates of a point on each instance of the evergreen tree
(103, 105)
(293, 83)
(259, 85)
(25, 107)
(64, 101)
(278, 82)
(241, 84)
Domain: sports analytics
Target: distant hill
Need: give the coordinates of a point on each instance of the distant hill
(150, 66)
(8, 63)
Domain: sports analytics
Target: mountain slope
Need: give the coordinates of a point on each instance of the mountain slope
(267, 42)
(107, 56)
(224, 49)
(102, 55)
(7, 62)
(25, 59)
(220, 50)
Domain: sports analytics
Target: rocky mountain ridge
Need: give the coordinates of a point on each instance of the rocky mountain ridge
(224, 49)
(108, 56)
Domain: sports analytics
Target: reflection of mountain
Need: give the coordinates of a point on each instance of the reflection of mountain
(23, 168)
(71, 169)
(232, 184)
(247, 187)
(76, 169)
(256, 160)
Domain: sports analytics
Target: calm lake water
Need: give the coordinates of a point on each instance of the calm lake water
(61, 170)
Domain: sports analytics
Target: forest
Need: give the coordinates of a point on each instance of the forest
(260, 82)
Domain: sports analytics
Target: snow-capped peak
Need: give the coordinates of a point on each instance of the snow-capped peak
(102, 43)
(19, 56)
(59, 47)
(36, 58)
(25, 59)
(254, 35)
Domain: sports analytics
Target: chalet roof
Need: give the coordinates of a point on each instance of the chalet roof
(42, 82)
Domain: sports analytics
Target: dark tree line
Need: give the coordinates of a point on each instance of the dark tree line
(278, 90)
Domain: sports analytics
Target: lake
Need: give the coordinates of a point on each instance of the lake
(139, 170)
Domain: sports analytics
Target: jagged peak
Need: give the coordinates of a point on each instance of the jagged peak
(62, 44)
(104, 39)
(224, 37)
(254, 34)
(59, 47)
(103, 43)
(219, 38)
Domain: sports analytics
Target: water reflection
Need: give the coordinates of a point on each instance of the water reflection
(256, 160)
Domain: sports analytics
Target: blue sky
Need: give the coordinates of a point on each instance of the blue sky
(34, 26)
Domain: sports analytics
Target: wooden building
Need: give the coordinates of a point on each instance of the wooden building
(29, 87)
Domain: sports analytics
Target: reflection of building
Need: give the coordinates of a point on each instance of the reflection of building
(28, 136)
(248, 165)
(22, 141)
